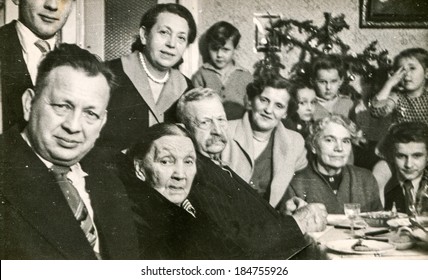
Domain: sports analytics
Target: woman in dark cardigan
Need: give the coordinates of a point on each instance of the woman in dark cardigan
(328, 179)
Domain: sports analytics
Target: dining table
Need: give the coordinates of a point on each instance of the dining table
(336, 242)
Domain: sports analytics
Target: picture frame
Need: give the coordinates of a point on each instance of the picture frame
(393, 14)
(264, 39)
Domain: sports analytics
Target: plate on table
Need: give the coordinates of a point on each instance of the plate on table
(404, 222)
(346, 246)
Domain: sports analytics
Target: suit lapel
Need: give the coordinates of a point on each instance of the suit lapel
(281, 163)
(40, 202)
(244, 138)
(171, 91)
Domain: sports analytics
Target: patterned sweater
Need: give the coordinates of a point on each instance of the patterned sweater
(402, 108)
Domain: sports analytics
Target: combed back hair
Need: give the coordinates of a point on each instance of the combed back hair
(73, 56)
(195, 94)
(318, 127)
(220, 32)
(326, 62)
(419, 54)
(141, 148)
(149, 19)
(258, 86)
(404, 132)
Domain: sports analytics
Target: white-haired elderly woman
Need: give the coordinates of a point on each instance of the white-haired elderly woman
(328, 179)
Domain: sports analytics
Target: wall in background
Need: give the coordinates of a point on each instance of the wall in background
(240, 13)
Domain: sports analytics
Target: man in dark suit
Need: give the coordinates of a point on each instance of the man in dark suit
(21, 50)
(65, 113)
(238, 209)
(406, 148)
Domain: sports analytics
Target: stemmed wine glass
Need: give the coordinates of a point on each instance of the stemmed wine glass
(352, 212)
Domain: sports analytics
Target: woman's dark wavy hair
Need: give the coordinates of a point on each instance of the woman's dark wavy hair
(293, 105)
(150, 17)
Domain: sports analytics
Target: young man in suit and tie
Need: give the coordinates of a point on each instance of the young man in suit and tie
(406, 148)
(81, 212)
(239, 210)
(22, 45)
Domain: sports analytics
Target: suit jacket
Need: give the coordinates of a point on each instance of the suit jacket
(132, 100)
(394, 193)
(288, 155)
(243, 214)
(37, 222)
(15, 78)
(358, 185)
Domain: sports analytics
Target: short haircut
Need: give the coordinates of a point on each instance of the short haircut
(195, 94)
(404, 132)
(325, 62)
(75, 57)
(258, 86)
(220, 32)
(318, 127)
(419, 54)
(141, 148)
(149, 19)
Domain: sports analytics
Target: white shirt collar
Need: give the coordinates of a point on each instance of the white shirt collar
(27, 38)
(75, 169)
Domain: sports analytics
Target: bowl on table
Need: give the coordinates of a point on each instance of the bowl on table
(379, 218)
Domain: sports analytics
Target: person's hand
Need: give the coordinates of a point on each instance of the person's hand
(311, 218)
(396, 77)
(292, 205)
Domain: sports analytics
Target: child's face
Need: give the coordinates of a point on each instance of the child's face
(223, 56)
(307, 99)
(415, 75)
(327, 83)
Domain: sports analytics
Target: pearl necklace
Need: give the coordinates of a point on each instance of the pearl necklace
(158, 81)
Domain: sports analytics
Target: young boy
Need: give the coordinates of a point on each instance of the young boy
(327, 77)
(406, 148)
(221, 73)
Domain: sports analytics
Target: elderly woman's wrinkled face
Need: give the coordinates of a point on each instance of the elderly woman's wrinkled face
(170, 167)
(269, 108)
(333, 148)
(166, 41)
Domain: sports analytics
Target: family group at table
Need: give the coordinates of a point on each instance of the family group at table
(130, 159)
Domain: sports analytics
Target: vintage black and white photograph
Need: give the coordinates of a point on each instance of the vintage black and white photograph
(214, 130)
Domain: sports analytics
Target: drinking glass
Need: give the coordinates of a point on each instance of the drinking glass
(352, 212)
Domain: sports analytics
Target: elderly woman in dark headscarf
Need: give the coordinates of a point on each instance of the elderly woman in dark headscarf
(158, 175)
(328, 179)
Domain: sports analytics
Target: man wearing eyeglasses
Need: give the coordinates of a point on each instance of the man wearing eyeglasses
(238, 209)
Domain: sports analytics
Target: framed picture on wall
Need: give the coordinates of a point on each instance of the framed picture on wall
(263, 38)
(393, 14)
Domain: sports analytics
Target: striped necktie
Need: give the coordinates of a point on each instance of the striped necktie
(43, 46)
(75, 202)
(408, 193)
(186, 205)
